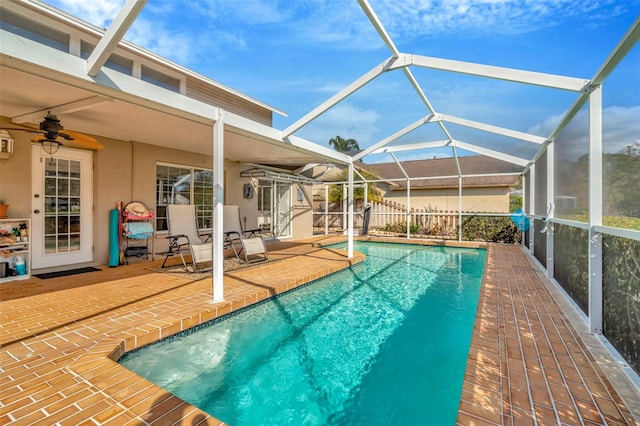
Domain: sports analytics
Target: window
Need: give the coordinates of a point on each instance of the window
(159, 79)
(34, 31)
(184, 185)
(115, 62)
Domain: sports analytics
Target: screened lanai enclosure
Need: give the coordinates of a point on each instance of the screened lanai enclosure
(565, 187)
(577, 184)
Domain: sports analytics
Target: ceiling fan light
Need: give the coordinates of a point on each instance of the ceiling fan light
(50, 146)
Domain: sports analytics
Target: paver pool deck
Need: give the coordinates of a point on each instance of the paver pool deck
(61, 337)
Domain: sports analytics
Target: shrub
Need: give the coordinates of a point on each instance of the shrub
(497, 229)
(401, 228)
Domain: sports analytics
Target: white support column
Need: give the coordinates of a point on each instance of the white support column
(550, 199)
(218, 203)
(326, 209)
(350, 225)
(345, 219)
(366, 192)
(459, 208)
(408, 218)
(532, 205)
(524, 197)
(595, 210)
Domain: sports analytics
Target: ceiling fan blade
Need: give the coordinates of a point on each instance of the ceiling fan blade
(73, 143)
(81, 140)
(76, 135)
(65, 136)
(80, 143)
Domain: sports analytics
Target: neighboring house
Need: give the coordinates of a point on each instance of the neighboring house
(486, 187)
(160, 124)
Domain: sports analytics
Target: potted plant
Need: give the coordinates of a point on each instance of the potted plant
(3, 209)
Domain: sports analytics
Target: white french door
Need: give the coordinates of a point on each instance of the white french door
(282, 208)
(274, 208)
(61, 207)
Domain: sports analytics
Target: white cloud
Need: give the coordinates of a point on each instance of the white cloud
(96, 12)
(416, 18)
(156, 37)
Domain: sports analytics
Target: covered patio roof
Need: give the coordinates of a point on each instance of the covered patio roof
(37, 79)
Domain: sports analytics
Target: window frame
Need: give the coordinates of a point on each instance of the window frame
(204, 210)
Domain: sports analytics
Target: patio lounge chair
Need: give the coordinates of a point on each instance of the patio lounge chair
(248, 243)
(184, 235)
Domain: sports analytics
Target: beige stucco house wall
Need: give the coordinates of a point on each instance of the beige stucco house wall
(474, 199)
(482, 192)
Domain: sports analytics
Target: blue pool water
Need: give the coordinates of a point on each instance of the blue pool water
(385, 342)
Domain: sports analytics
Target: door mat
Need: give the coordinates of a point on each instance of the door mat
(68, 272)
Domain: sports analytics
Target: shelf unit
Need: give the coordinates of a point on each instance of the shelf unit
(138, 233)
(11, 247)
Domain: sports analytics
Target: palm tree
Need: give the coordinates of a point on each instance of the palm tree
(373, 192)
(343, 145)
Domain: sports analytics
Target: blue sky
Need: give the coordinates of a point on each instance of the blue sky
(294, 54)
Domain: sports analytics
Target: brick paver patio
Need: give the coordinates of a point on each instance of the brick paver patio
(61, 337)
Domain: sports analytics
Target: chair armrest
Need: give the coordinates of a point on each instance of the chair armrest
(174, 237)
(249, 233)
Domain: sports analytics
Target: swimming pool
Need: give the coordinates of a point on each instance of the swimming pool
(384, 341)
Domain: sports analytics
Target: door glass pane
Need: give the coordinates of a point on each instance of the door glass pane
(74, 242)
(50, 186)
(63, 243)
(63, 225)
(74, 169)
(63, 204)
(50, 225)
(50, 205)
(63, 168)
(63, 187)
(74, 224)
(74, 205)
(74, 187)
(50, 245)
(50, 167)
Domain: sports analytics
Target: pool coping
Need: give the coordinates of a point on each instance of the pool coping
(99, 364)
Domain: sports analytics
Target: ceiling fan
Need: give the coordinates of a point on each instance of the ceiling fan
(54, 136)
